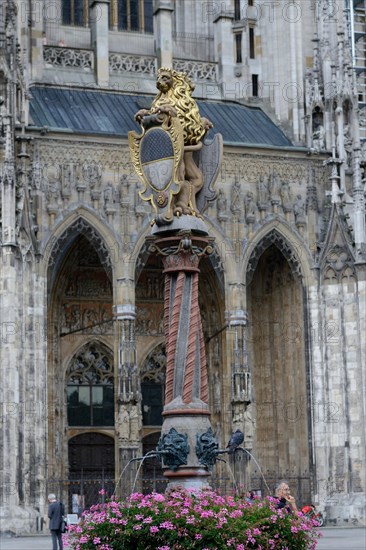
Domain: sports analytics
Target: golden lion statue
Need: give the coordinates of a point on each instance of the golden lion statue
(175, 99)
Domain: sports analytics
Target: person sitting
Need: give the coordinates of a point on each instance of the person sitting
(249, 497)
(285, 499)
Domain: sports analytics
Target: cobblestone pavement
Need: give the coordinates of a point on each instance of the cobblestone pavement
(334, 538)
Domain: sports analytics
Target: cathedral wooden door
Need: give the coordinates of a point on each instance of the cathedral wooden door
(91, 466)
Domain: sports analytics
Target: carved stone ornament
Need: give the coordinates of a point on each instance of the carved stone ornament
(68, 57)
(174, 448)
(206, 448)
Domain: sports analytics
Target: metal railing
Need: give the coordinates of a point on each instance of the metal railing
(82, 493)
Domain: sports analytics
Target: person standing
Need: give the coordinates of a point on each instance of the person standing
(55, 514)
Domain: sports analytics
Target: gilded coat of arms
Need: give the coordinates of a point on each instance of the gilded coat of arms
(171, 156)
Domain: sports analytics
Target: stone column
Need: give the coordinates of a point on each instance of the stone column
(36, 34)
(99, 39)
(240, 391)
(312, 208)
(224, 44)
(340, 145)
(129, 421)
(358, 195)
(8, 171)
(10, 393)
(186, 414)
(163, 10)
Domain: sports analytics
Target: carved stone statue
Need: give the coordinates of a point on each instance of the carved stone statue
(249, 422)
(286, 197)
(108, 194)
(263, 194)
(274, 188)
(250, 208)
(67, 180)
(3, 118)
(347, 145)
(217, 392)
(135, 422)
(235, 198)
(238, 417)
(124, 423)
(92, 174)
(299, 211)
(222, 214)
(319, 138)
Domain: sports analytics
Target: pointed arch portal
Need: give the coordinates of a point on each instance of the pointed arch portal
(81, 372)
(277, 344)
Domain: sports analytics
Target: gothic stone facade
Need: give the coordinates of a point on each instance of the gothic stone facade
(282, 297)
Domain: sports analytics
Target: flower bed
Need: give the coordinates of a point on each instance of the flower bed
(185, 520)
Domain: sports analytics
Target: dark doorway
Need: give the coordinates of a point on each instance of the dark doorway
(91, 467)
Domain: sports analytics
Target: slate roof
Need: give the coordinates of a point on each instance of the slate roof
(106, 113)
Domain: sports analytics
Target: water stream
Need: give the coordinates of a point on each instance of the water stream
(142, 458)
(260, 469)
(150, 454)
(230, 470)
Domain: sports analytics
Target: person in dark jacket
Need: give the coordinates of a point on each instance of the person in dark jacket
(55, 514)
(286, 500)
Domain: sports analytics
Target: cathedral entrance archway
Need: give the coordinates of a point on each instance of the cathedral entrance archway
(276, 339)
(81, 374)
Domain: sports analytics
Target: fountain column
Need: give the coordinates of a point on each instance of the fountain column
(186, 429)
(178, 169)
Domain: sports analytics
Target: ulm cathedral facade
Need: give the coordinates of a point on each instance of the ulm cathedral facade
(282, 296)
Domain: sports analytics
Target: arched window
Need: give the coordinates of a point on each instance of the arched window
(90, 392)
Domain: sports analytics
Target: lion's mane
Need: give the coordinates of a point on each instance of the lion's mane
(180, 97)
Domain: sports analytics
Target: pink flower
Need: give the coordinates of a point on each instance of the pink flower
(190, 520)
(148, 520)
(167, 525)
(154, 529)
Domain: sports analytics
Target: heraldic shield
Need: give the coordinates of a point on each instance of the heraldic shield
(157, 156)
